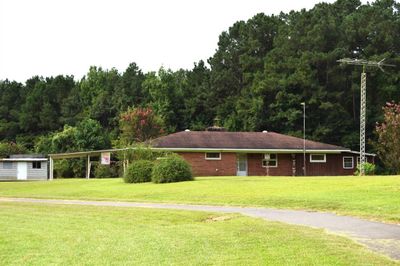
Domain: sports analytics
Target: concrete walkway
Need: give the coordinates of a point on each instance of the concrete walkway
(380, 237)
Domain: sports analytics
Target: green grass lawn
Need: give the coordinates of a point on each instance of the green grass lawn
(40, 234)
(372, 197)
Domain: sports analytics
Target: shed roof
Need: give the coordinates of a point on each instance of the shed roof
(19, 156)
(23, 159)
(239, 141)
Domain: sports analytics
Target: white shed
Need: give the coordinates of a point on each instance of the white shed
(24, 167)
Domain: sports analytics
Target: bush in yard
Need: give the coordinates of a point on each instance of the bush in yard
(171, 169)
(369, 169)
(105, 171)
(70, 168)
(139, 172)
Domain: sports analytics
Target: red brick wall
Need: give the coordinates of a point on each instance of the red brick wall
(332, 166)
(254, 162)
(202, 167)
(227, 165)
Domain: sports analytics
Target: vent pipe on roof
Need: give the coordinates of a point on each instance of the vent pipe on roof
(216, 126)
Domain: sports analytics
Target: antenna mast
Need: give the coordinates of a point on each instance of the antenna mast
(363, 101)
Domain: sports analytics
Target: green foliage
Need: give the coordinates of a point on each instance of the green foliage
(64, 141)
(369, 169)
(139, 125)
(388, 144)
(44, 144)
(140, 152)
(69, 168)
(87, 135)
(105, 171)
(171, 168)
(144, 153)
(11, 98)
(139, 172)
(90, 135)
(9, 148)
(40, 110)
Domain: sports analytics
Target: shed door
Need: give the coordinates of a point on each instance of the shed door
(22, 170)
(241, 164)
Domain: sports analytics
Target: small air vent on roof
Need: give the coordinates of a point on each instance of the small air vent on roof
(215, 128)
(265, 131)
(187, 130)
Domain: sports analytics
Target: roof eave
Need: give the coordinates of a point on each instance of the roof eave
(368, 154)
(23, 159)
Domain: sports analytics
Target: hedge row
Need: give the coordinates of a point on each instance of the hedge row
(165, 170)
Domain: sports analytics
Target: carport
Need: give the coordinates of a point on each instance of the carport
(81, 154)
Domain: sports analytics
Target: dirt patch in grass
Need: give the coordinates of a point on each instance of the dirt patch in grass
(212, 219)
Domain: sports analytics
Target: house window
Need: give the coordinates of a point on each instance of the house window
(36, 165)
(348, 162)
(213, 156)
(318, 158)
(270, 160)
(7, 165)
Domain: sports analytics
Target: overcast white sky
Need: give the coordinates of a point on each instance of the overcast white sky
(51, 37)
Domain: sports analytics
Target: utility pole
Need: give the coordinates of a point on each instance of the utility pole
(304, 138)
(363, 100)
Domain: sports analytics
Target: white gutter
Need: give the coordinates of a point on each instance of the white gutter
(368, 154)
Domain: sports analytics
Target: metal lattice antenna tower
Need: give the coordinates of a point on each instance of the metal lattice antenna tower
(363, 102)
(363, 114)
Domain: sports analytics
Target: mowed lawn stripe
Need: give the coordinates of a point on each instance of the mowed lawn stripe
(371, 197)
(40, 234)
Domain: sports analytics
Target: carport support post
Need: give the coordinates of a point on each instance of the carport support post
(51, 169)
(88, 167)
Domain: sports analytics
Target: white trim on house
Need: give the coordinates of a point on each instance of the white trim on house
(317, 161)
(212, 158)
(352, 162)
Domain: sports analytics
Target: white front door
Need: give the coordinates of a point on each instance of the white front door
(22, 170)
(241, 164)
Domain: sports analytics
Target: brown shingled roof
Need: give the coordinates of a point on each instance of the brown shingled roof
(238, 140)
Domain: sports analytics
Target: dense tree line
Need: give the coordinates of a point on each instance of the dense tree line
(261, 71)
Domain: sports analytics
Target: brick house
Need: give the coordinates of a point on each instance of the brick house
(220, 153)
